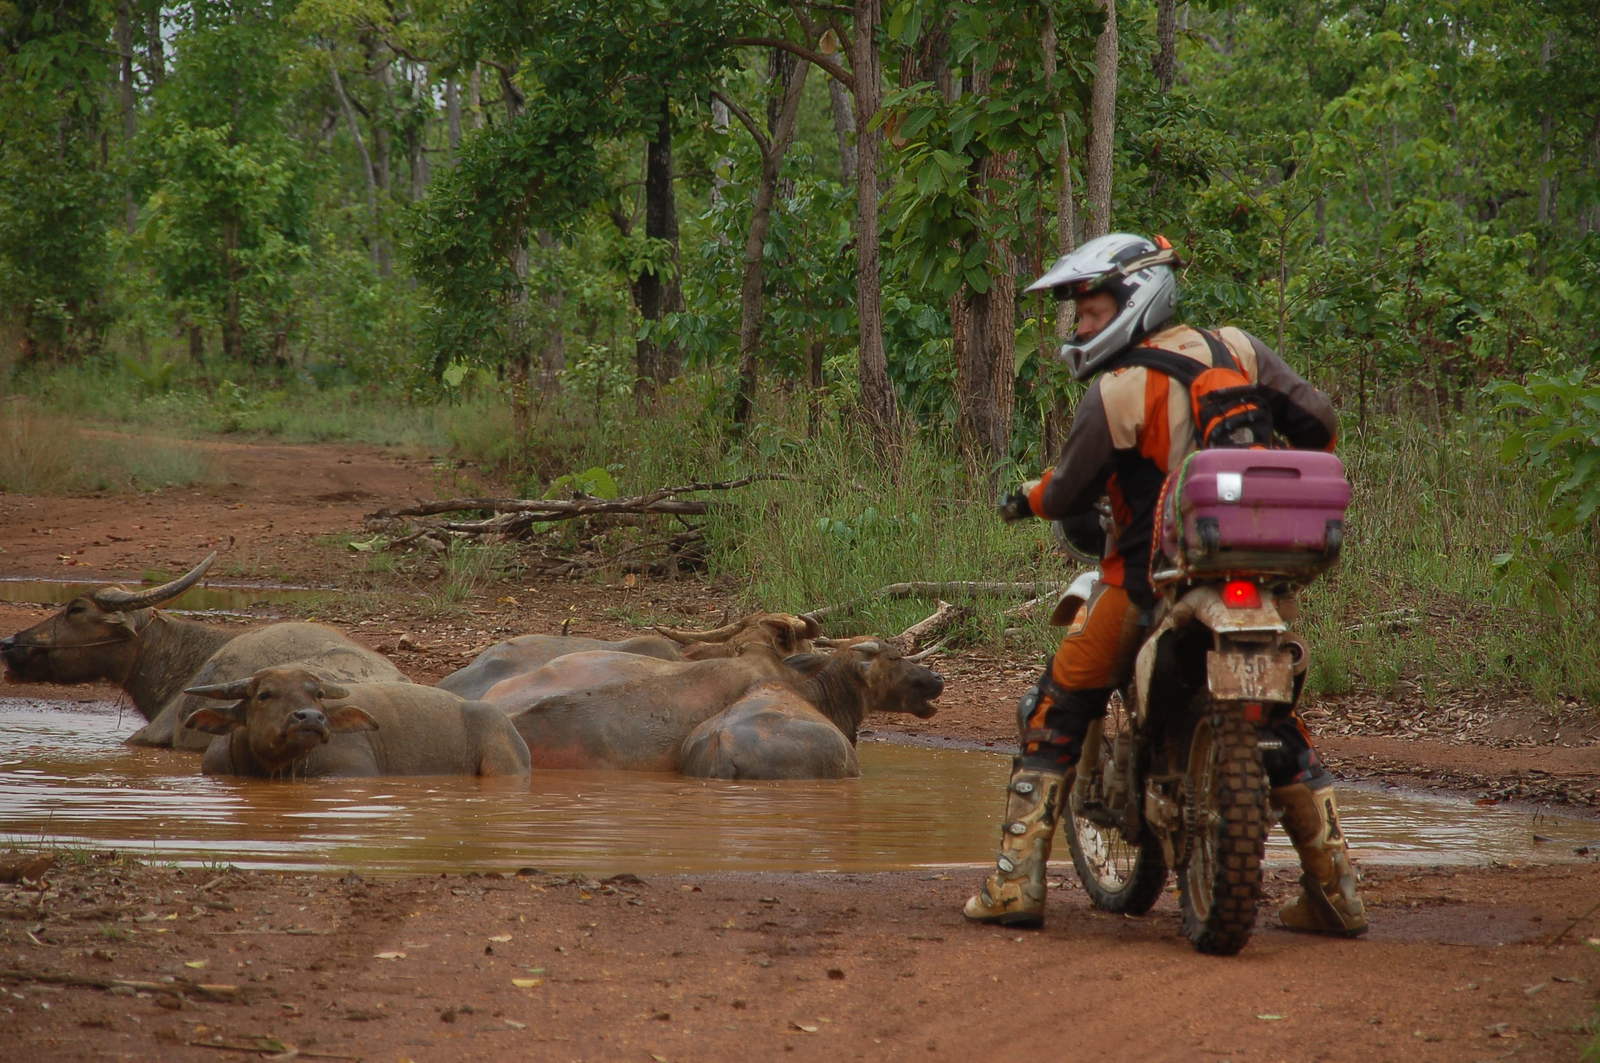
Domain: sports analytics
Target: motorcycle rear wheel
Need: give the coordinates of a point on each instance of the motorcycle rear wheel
(1219, 882)
(1119, 876)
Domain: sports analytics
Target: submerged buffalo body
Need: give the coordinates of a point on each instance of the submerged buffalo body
(526, 653)
(782, 632)
(616, 710)
(113, 635)
(290, 723)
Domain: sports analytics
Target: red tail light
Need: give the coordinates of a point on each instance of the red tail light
(1241, 594)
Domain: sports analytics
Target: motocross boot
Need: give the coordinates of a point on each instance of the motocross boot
(1013, 894)
(1328, 903)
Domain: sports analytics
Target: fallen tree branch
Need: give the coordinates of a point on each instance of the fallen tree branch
(661, 500)
(957, 588)
(214, 991)
(929, 627)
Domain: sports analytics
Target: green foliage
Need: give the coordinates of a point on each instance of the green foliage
(1552, 425)
(56, 196)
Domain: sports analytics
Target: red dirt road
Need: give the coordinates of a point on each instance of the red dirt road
(102, 960)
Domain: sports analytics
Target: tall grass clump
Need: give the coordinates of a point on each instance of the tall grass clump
(854, 520)
(1422, 593)
(47, 455)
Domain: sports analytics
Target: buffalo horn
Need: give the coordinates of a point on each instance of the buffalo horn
(231, 691)
(716, 634)
(118, 600)
(812, 629)
(333, 692)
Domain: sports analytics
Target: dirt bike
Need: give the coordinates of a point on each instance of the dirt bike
(1172, 777)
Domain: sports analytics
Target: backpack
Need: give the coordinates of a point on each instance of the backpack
(1228, 409)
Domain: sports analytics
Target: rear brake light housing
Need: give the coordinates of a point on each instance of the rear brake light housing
(1241, 594)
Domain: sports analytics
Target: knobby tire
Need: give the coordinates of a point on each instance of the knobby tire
(1226, 809)
(1119, 876)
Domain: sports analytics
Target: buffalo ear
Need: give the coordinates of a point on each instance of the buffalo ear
(349, 718)
(783, 636)
(215, 720)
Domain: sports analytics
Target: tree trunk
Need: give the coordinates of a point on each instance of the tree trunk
(1592, 222)
(1166, 44)
(790, 75)
(376, 247)
(125, 99)
(1102, 126)
(1547, 196)
(452, 115)
(1054, 429)
(983, 324)
(844, 127)
(520, 359)
(232, 308)
(382, 73)
(877, 392)
(659, 294)
(154, 49)
(553, 352)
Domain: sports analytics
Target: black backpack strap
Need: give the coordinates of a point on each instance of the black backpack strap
(1183, 370)
(1221, 357)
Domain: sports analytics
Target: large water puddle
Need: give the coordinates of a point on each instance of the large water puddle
(66, 779)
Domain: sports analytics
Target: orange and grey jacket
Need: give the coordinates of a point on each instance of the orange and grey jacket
(1134, 425)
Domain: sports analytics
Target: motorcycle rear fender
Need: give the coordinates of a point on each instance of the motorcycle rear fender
(1227, 620)
(1203, 605)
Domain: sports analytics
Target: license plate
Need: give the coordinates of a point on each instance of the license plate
(1235, 676)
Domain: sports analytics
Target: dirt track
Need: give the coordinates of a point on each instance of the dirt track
(1461, 965)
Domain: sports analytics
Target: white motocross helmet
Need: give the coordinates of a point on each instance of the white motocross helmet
(1139, 275)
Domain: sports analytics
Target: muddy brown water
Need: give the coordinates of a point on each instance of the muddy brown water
(66, 779)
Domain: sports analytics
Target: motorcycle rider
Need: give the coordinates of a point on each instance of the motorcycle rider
(1132, 427)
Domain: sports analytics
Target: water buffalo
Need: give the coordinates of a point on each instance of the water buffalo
(608, 709)
(288, 723)
(118, 636)
(785, 633)
(777, 732)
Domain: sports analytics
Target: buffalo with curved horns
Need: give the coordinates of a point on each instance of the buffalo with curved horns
(756, 715)
(118, 636)
(288, 723)
(783, 632)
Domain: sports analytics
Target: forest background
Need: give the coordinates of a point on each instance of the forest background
(617, 245)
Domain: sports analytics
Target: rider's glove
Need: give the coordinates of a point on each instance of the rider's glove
(1015, 506)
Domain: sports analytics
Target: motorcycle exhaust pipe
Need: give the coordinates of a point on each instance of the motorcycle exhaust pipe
(1299, 654)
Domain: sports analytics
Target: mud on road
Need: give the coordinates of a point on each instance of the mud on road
(105, 958)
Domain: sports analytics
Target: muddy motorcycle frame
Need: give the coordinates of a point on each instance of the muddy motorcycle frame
(1173, 777)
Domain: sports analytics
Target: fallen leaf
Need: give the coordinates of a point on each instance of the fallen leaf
(196, 964)
(1269, 1018)
(501, 937)
(389, 956)
(527, 983)
(804, 1028)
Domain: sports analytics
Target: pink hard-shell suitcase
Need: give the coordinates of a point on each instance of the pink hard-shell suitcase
(1251, 511)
